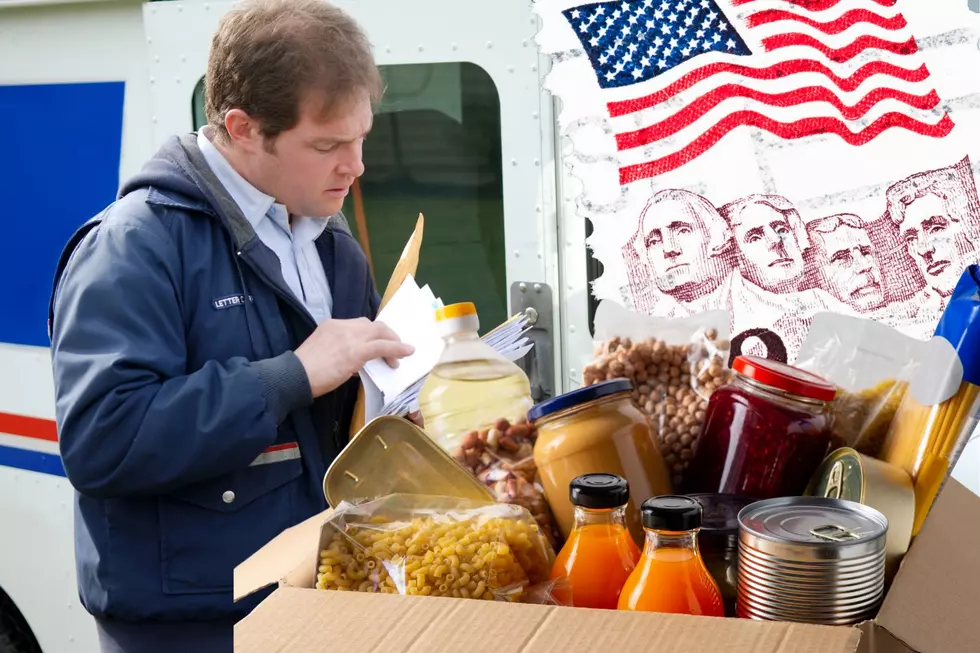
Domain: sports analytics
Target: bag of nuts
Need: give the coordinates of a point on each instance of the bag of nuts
(674, 366)
(502, 458)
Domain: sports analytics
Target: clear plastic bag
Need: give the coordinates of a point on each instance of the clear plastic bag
(871, 364)
(674, 364)
(435, 546)
(502, 458)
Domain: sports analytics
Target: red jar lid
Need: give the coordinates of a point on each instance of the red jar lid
(784, 377)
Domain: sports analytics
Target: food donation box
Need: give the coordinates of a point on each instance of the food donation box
(685, 498)
(804, 507)
(930, 608)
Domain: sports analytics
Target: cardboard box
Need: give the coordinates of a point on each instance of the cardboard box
(933, 607)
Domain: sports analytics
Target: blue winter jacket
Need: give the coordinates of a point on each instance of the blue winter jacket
(186, 422)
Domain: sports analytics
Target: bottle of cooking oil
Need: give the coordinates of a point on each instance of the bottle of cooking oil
(472, 386)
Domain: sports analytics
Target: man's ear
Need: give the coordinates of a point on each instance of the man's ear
(243, 130)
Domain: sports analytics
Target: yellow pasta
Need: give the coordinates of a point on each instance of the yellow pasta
(861, 419)
(923, 439)
(476, 556)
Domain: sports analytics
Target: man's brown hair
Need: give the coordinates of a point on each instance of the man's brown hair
(268, 55)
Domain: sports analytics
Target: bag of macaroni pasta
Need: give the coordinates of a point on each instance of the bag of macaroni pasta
(939, 413)
(871, 365)
(436, 546)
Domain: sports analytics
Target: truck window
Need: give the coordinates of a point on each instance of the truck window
(435, 149)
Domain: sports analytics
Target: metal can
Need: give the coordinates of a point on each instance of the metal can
(852, 476)
(810, 560)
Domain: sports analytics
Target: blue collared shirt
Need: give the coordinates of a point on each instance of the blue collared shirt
(294, 244)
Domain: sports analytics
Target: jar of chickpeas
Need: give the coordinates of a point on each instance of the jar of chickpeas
(597, 429)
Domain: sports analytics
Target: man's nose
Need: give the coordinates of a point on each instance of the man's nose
(353, 164)
(924, 246)
(864, 264)
(672, 247)
(776, 243)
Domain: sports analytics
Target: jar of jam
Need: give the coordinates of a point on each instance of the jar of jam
(597, 430)
(718, 541)
(764, 434)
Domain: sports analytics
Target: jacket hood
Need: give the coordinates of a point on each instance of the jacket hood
(179, 174)
(169, 171)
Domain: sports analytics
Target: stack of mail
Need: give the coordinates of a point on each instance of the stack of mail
(411, 315)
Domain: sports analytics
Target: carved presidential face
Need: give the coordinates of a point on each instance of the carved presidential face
(939, 244)
(677, 241)
(769, 253)
(847, 264)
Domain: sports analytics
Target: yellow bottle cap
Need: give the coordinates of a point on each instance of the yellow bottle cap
(455, 310)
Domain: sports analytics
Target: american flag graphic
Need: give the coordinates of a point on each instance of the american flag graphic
(678, 75)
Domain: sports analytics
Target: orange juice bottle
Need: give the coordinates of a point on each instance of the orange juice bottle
(671, 576)
(599, 553)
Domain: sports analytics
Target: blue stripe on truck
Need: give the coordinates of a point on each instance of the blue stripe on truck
(33, 461)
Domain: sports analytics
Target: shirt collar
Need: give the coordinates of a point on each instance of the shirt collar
(253, 203)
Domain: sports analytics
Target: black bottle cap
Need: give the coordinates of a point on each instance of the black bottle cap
(599, 491)
(671, 513)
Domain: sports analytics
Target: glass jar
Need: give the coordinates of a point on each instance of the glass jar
(597, 429)
(764, 434)
(671, 575)
(600, 553)
(718, 541)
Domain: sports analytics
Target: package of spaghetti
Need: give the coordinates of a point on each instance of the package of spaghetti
(871, 365)
(938, 415)
(435, 546)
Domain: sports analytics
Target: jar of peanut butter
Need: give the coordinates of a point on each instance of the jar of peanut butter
(597, 429)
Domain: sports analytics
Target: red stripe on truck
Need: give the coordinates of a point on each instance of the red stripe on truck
(29, 427)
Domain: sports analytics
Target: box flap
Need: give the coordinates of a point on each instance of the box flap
(932, 604)
(314, 621)
(280, 556)
(875, 639)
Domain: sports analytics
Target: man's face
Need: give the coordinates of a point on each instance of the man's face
(676, 245)
(313, 165)
(940, 246)
(768, 248)
(851, 272)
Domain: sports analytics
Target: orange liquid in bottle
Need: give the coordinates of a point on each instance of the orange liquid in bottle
(597, 559)
(672, 580)
(671, 577)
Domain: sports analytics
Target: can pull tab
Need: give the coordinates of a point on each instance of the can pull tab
(833, 533)
(835, 481)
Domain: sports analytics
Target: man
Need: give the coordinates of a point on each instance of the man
(771, 239)
(686, 245)
(206, 329)
(939, 223)
(770, 291)
(845, 261)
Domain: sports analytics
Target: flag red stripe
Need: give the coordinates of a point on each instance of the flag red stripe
(707, 102)
(843, 23)
(818, 5)
(839, 55)
(777, 71)
(793, 130)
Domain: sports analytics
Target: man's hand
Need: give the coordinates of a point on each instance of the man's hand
(338, 349)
